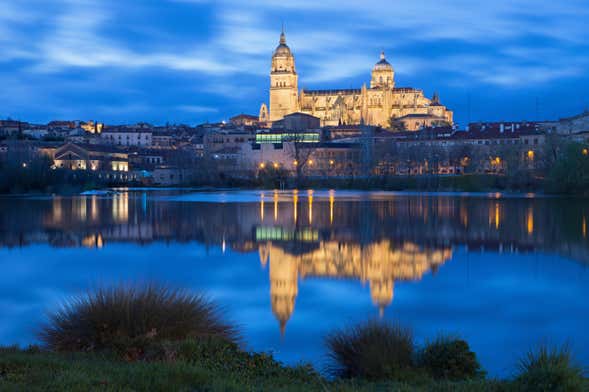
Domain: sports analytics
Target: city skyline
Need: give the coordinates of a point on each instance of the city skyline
(188, 61)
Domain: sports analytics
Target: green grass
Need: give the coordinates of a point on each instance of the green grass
(550, 370)
(231, 370)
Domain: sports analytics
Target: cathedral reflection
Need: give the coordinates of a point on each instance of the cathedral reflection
(379, 264)
(375, 239)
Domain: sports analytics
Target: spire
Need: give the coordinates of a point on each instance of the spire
(382, 55)
(282, 36)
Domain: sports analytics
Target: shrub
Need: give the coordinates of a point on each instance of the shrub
(450, 359)
(550, 369)
(374, 351)
(127, 319)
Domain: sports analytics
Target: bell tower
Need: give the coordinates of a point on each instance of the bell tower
(284, 87)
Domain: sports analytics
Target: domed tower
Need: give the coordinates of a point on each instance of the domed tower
(383, 74)
(284, 89)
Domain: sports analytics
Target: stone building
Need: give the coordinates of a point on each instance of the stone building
(374, 105)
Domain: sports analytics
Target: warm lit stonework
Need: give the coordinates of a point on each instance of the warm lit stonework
(380, 104)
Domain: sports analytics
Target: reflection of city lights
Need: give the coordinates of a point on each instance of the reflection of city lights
(331, 202)
(310, 199)
(464, 216)
(584, 227)
(295, 202)
(275, 206)
(223, 246)
(530, 221)
(120, 207)
(94, 207)
(262, 207)
(497, 217)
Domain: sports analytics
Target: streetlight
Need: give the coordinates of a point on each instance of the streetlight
(531, 155)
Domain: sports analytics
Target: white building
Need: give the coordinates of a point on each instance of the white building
(127, 137)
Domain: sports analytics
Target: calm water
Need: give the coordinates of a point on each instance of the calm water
(506, 273)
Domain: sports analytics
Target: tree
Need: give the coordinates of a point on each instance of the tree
(300, 152)
(570, 173)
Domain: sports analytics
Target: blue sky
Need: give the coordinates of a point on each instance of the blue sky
(189, 61)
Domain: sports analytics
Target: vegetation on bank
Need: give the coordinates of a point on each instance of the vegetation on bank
(129, 319)
(153, 338)
(565, 171)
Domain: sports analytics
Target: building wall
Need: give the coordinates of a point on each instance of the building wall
(122, 138)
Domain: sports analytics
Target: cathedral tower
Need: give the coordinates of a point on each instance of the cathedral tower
(383, 74)
(283, 82)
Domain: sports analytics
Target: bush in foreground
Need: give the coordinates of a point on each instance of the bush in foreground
(450, 359)
(550, 369)
(127, 319)
(372, 351)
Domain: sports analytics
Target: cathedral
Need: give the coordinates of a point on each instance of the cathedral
(380, 104)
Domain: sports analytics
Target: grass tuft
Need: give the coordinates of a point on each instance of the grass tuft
(129, 318)
(550, 369)
(372, 351)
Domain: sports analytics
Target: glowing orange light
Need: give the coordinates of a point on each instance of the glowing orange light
(531, 155)
(276, 165)
(331, 162)
(262, 165)
(331, 202)
(585, 152)
(295, 162)
(310, 162)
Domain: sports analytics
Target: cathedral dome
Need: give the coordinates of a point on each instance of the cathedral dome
(383, 64)
(282, 49)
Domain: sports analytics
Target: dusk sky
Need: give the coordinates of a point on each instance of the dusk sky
(190, 61)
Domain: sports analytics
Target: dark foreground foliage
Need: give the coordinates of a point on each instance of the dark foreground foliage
(449, 358)
(550, 369)
(193, 365)
(128, 319)
(373, 351)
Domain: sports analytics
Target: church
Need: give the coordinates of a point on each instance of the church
(381, 104)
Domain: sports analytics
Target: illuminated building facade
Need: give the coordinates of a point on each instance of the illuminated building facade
(378, 104)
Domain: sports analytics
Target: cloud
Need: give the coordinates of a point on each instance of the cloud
(120, 49)
(197, 109)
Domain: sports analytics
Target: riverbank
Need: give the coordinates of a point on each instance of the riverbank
(465, 183)
(33, 370)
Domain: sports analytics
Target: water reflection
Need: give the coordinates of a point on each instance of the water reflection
(374, 239)
(380, 264)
